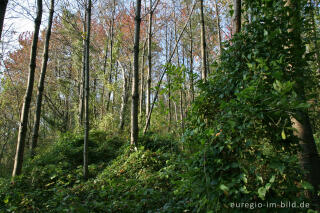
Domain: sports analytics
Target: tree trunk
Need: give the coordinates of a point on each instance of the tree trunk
(181, 110)
(113, 92)
(175, 111)
(148, 92)
(176, 36)
(203, 45)
(135, 80)
(309, 158)
(180, 94)
(218, 26)
(237, 17)
(111, 53)
(124, 98)
(35, 133)
(18, 161)
(168, 79)
(3, 7)
(141, 97)
(191, 62)
(87, 83)
(104, 77)
(82, 85)
(95, 95)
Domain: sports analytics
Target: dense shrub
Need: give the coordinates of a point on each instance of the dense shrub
(239, 137)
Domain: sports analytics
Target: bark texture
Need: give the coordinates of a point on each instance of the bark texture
(87, 93)
(135, 80)
(148, 92)
(236, 17)
(203, 45)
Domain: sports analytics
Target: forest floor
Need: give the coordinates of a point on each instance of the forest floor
(121, 180)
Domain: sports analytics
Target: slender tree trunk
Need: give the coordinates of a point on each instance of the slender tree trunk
(181, 110)
(148, 92)
(218, 26)
(3, 8)
(141, 97)
(191, 62)
(237, 17)
(67, 112)
(18, 161)
(95, 95)
(309, 157)
(135, 80)
(82, 85)
(87, 83)
(124, 98)
(29, 132)
(203, 45)
(45, 57)
(169, 101)
(176, 36)
(6, 140)
(180, 94)
(168, 79)
(111, 53)
(182, 91)
(175, 111)
(104, 77)
(115, 80)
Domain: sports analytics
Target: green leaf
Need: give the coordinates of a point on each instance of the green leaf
(244, 178)
(250, 65)
(223, 187)
(262, 192)
(6, 200)
(244, 190)
(260, 179)
(306, 185)
(272, 179)
(283, 135)
(303, 105)
(268, 185)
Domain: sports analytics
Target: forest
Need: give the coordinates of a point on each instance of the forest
(160, 106)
